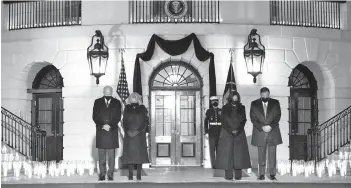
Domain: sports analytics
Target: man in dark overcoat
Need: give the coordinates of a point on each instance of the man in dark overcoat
(233, 150)
(106, 115)
(265, 115)
(212, 127)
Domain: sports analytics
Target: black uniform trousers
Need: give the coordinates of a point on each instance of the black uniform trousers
(213, 142)
(111, 153)
(213, 147)
(272, 158)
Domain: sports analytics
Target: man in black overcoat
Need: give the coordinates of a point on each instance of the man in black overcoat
(106, 115)
(212, 127)
(265, 115)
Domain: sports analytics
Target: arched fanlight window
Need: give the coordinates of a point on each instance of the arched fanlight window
(302, 77)
(48, 77)
(175, 74)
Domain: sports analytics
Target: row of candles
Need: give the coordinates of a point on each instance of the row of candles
(17, 163)
(326, 167)
(50, 168)
(70, 168)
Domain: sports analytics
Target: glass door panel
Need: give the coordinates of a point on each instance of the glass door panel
(162, 122)
(187, 130)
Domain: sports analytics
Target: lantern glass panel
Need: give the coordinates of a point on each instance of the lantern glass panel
(98, 65)
(254, 64)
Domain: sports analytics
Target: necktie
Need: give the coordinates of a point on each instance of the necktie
(107, 103)
(265, 109)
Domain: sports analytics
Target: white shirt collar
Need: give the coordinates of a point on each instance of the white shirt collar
(107, 101)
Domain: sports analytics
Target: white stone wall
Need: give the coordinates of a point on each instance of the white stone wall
(325, 52)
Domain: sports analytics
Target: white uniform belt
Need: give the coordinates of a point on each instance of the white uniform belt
(215, 123)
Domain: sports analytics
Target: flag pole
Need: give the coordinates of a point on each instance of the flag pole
(232, 52)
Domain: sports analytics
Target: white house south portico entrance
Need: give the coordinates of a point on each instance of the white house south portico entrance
(175, 113)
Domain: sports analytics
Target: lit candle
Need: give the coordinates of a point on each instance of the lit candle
(294, 173)
(5, 168)
(69, 168)
(319, 171)
(4, 150)
(29, 171)
(343, 168)
(35, 168)
(306, 172)
(17, 165)
(287, 166)
(62, 168)
(341, 155)
(330, 171)
(97, 167)
(6, 157)
(91, 167)
(249, 170)
(50, 168)
(11, 157)
(335, 164)
(346, 155)
(80, 167)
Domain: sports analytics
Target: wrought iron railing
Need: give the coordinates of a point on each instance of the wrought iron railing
(330, 136)
(23, 137)
(146, 11)
(38, 14)
(322, 14)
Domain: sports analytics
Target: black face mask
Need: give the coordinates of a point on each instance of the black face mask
(265, 99)
(108, 97)
(215, 104)
(235, 102)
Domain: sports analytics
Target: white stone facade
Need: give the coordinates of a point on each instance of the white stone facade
(325, 52)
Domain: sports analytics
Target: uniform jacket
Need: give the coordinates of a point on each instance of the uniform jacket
(136, 125)
(258, 120)
(110, 115)
(213, 115)
(233, 146)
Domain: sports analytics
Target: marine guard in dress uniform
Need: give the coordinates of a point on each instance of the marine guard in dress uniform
(213, 127)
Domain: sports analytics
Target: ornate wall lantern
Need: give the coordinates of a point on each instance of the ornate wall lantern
(97, 56)
(254, 54)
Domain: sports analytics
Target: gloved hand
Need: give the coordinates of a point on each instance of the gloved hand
(235, 132)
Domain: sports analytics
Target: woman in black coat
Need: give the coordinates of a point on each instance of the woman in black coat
(232, 149)
(136, 125)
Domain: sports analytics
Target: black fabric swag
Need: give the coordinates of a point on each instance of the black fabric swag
(174, 47)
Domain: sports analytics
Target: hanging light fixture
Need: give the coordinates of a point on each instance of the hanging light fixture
(254, 54)
(97, 54)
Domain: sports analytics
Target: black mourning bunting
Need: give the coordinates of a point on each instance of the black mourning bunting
(175, 47)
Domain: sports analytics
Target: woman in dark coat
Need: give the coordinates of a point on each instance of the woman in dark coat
(232, 149)
(136, 125)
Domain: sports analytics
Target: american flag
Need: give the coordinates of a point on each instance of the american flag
(230, 84)
(122, 87)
